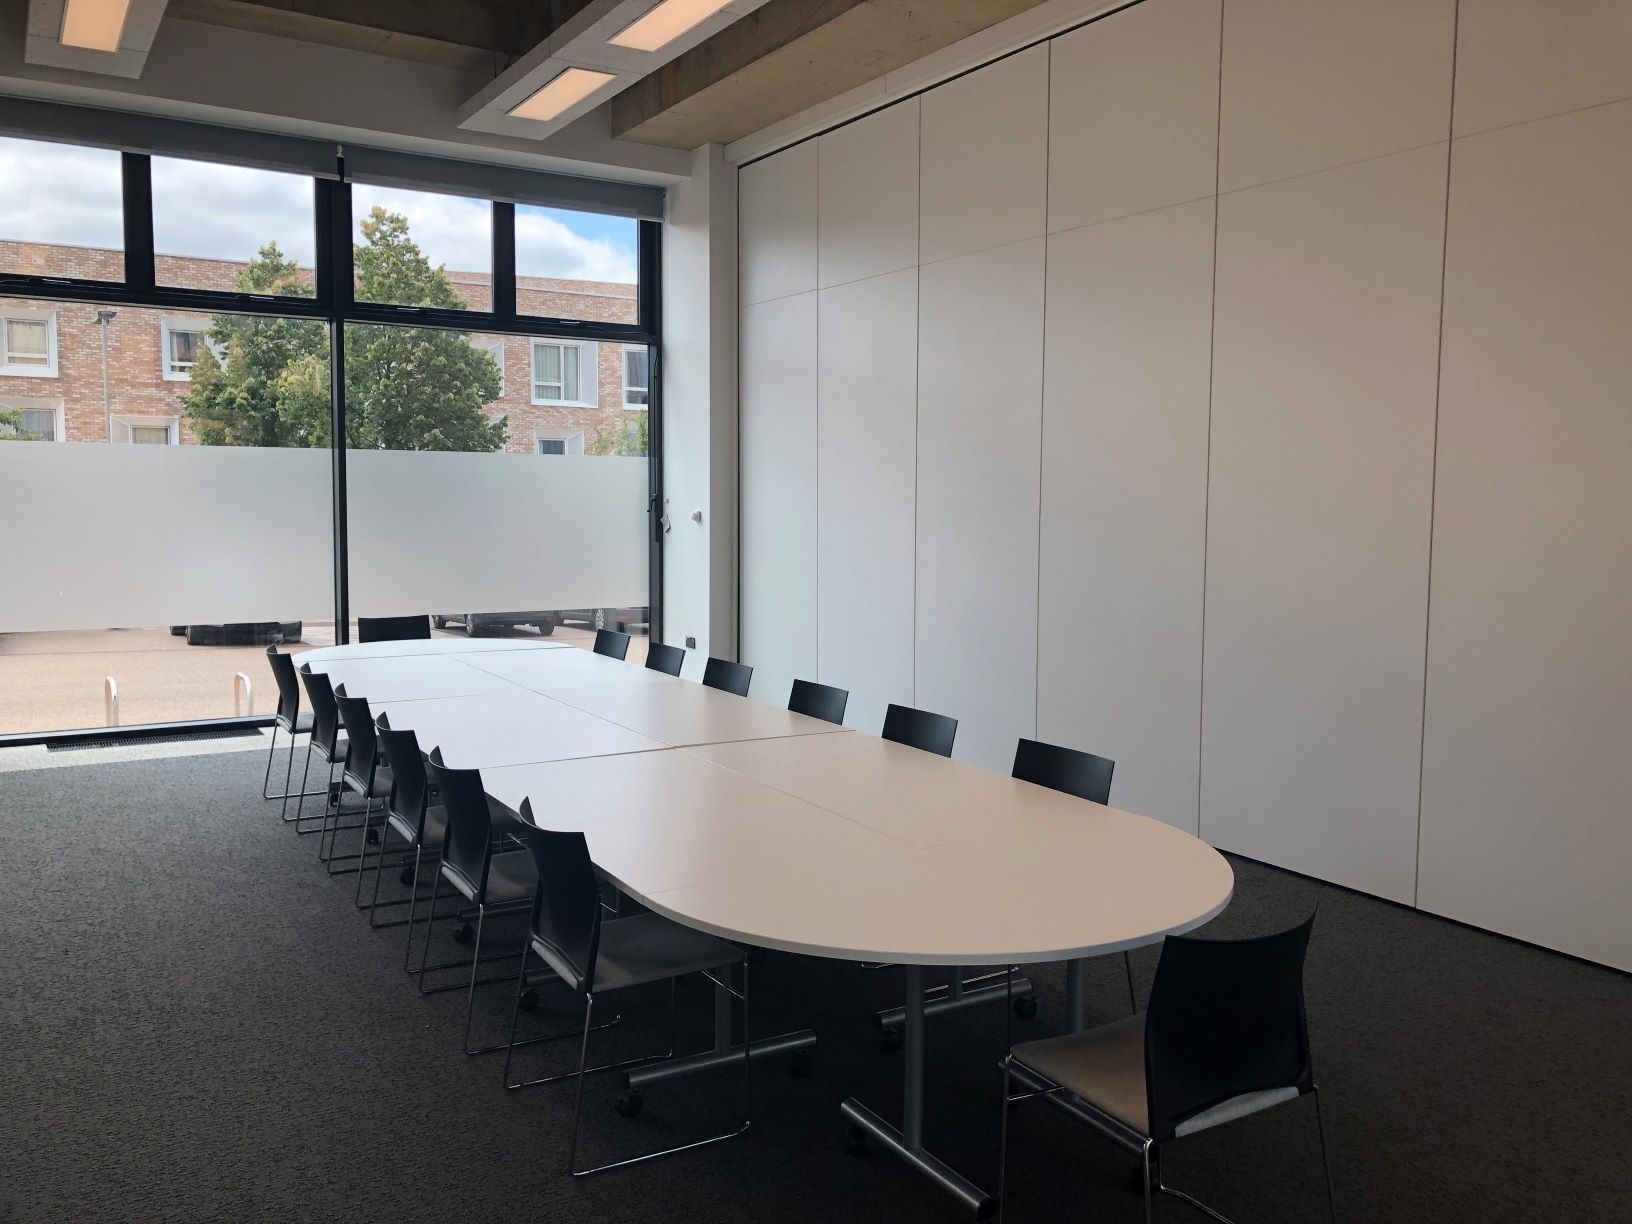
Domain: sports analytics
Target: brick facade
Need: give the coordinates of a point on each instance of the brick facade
(140, 396)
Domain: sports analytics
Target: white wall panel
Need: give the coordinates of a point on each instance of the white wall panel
(777, 220)
(1526, 771)
(985, 157)
(866, 538)
(1133, 112)
(778, 515)
(980, 353)
(1125, 402)
(1325, 365)
(1311, 84)
(1518, 60)
(869, 196)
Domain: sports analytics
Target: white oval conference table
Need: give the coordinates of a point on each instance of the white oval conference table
(781, 831)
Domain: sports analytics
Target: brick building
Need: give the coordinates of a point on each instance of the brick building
(559, 394)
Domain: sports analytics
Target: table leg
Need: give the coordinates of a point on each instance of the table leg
(725, 1053)
(1073, 995)
(958, 993)
(908, 1142)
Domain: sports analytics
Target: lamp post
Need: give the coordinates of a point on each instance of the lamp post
(103, 318)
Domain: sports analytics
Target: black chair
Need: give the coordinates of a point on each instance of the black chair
(1226, 1035)
(393, 628)
(920, 729)
(595, 956)
(324, 740)
(290, 719)
(410, 814)
(483, 876)
(611, 643)
(821, 701)
(666, 659)
(727, 676)
(361, 775)
(1075, 773)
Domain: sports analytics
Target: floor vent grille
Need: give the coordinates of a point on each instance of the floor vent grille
(180, 737)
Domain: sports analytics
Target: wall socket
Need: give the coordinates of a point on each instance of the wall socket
(691, 643)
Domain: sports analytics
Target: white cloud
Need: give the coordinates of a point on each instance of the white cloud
(71, 195)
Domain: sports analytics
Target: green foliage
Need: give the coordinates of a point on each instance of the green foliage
(11, 427)
(407, 388)
(630, 436)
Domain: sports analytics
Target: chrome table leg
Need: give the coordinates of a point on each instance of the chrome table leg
(955, 995)
(724, 1053)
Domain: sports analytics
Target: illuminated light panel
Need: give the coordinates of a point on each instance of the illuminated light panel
(561, 92)
(94, 25)
(665, 23)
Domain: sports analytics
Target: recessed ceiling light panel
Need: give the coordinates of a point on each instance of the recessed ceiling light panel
(665, 23)
(95, 25)
(560, 93)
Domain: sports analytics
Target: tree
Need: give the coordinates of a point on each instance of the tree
(11, 426)
(407, 388)
(625, 437)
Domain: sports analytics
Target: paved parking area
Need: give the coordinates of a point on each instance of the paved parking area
(54, 681)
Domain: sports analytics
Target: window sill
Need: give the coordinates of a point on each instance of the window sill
(14, 371)
(563, 404)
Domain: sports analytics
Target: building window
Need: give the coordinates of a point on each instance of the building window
(559, 444)
(146, 431)
(493, 346)
(37, 420)
(636, 384)
(183, 341)
(564, 373)
(28, 344)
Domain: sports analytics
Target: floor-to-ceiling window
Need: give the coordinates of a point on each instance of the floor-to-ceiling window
(350, 398)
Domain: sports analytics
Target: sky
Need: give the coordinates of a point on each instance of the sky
(71, 195)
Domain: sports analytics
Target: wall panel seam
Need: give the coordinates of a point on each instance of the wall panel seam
(1207, 472)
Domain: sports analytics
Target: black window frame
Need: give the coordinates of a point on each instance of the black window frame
(333, 302)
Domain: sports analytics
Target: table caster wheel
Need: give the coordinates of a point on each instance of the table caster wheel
(1026, 1007)
(529, 1000)
(406, 875)
(890, 1040)
(855, 1141)
(630, 1103)
(463, 933)
(800, 1064)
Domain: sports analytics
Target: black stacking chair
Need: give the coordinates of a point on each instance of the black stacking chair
(611, 643)
(410, 814)
(1075, 773)
(481, 875)
(1225, 1036)
(920, 729)
(324, 740)
(393, 628)
(291, 720)
(821, 701)
(595, 956)
(362, 775)
(666, 659)
(727, 676)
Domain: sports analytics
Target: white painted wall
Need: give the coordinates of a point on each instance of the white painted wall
(1127, 347)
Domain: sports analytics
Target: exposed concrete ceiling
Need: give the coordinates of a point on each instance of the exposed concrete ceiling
(43, 43)
(787, 56)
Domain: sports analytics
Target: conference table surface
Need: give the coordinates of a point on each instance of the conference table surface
(777, 830)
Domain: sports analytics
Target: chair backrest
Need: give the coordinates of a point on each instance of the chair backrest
(283, 673)
(1226, 1017)
(325, 713)
(410, 788)
(664, 658)
(920, 729)
(567, 906)
(611, 643)
(1064, 769)
(727, 676)
(467, 846)
(393, 628)
(821, 701)
(362, 747)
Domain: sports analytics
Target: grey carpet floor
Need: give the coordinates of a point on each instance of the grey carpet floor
(196, 1025)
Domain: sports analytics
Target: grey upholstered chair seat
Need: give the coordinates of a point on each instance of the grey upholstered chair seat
(647, 948)
(510, 877)
(1105, 1066)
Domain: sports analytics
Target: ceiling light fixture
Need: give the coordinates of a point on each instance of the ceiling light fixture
(562, 91)
(665, 23)
(94, 25)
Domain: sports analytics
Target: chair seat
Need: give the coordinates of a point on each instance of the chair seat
(511, 876)
(436, 821)
(382, 783)
(1106, 1068)
(650, 948)
(302, 724)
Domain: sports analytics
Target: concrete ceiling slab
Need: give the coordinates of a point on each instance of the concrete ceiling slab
(43, 40)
